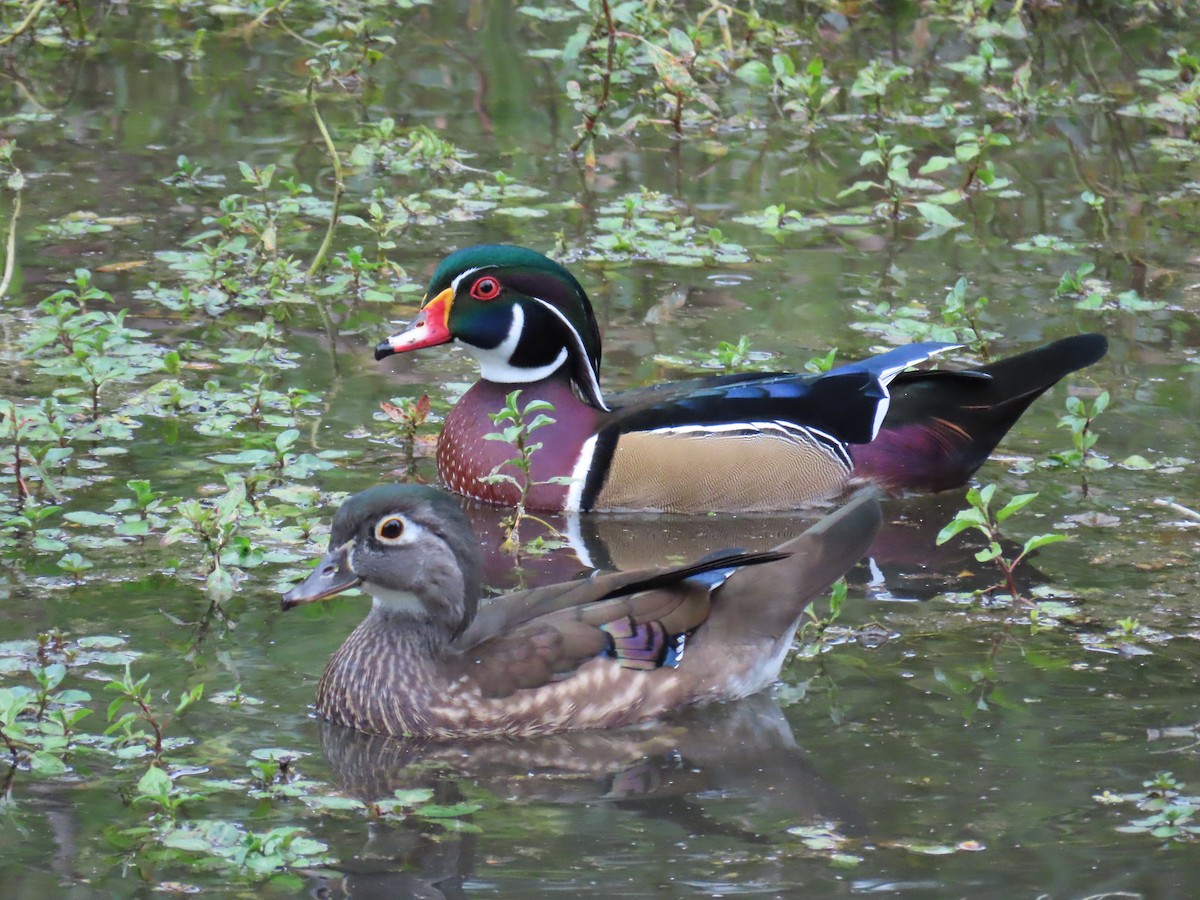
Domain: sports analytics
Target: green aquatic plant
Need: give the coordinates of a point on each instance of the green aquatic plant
(232, 847)
(1072, 284)
(133, 739)
(214, 525)
(804, 91)
(876, 79)
(409, 415)
(158, 789)
(323, 67)
(979, 516)
(648, 224)
(38, 723)
(405, 803)
(190, 175)
(962, 316)
(1169, 812)
(820, 364)
(1079, 419)
(973, 151)
(14, 183)
(888, 162)
(815, 627)
(729, 356)
(517, 425)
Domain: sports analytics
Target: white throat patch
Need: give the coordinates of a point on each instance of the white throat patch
(495, 363)
(395, 601)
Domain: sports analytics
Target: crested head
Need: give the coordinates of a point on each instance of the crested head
(411, 548)
(521, 314)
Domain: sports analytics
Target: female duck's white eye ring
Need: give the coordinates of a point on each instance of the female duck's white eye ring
(390, 529)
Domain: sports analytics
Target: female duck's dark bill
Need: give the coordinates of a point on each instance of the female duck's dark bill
(332, 575)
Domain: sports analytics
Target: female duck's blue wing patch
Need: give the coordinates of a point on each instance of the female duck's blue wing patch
(649, 645)
(643, 646)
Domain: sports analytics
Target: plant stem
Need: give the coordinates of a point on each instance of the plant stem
(1179, 508)
(10, 246)
(590, 118)
(22, 490)
(13, 750)
(83, 32)
(149, 717)
(1009, 582)
(258, 20)
(26, 24)
(339, 186)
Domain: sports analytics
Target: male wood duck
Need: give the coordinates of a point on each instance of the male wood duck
(732, 442)
(605, 651)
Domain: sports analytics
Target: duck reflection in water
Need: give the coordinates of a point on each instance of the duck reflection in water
(729, 771)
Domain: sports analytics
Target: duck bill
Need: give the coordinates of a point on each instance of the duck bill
(428, 329)
(332, 575)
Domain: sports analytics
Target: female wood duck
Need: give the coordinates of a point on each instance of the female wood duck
(605, 651)
(732, 442)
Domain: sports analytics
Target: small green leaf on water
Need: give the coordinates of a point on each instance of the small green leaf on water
(936, 164)
(1042, 540)
(43, 763)
(938, 215)
(155, 783)
(219, 585)
(84, 517)
(1017, 503)
(320, 801)
(412, 796)
(449, 811)
(926, 849)
(1135, 462)
(755, 72)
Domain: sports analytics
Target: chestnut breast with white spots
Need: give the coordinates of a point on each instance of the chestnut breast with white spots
(464, 455)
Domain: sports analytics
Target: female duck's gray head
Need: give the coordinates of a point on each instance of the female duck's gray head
(411, 548)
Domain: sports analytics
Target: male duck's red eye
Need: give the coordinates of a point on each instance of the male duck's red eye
(485, 288)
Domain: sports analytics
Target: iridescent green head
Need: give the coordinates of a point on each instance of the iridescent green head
(522, 315)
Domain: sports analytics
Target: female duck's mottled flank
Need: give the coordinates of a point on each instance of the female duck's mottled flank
(605, 651)
(735, 442)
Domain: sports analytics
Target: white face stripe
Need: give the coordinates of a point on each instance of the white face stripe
(593, 384)
(495, 363)
(458, 279)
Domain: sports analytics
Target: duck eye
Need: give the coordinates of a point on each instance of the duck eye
(390, 529)
(485, 288)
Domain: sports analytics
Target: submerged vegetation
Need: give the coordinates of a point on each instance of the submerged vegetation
(210, 212)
